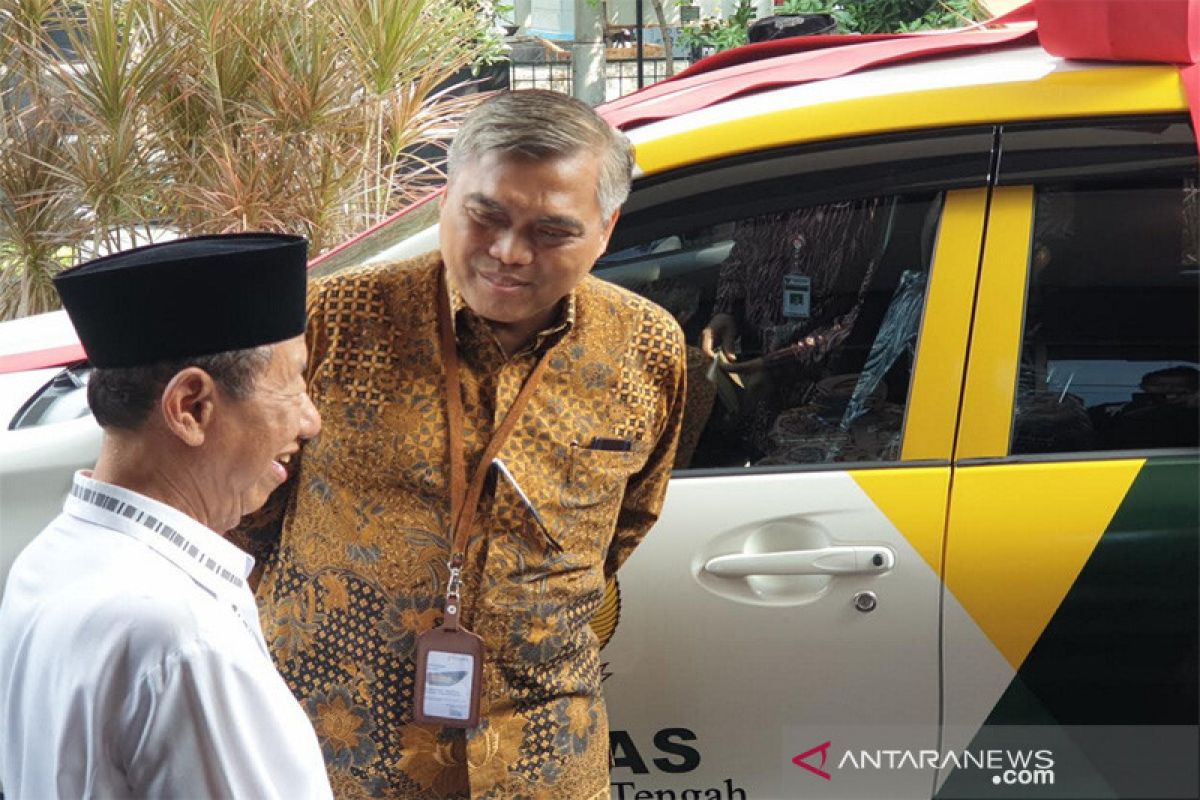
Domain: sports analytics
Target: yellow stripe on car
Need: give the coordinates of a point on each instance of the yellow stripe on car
(914, 500)
(995, 348)
(1002, 566)
(1070, 93)
(937, 383)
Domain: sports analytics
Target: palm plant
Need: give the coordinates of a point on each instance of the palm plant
(120, 119)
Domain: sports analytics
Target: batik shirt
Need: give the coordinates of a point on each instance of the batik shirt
(360, 566)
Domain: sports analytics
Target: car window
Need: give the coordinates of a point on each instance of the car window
(810, 264)
(818, 307)
(1110, 358)
(410, 233)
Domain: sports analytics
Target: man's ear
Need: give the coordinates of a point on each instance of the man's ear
(188, 404)
(608, 229)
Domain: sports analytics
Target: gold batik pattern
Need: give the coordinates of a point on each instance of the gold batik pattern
(357, 567)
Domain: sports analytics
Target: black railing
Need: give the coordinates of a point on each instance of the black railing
(620, 75)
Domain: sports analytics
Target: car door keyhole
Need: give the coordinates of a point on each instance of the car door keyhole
(865, 602)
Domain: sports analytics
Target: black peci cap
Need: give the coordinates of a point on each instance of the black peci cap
(189, 297)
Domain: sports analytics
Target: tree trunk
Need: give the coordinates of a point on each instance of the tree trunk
(668, 38)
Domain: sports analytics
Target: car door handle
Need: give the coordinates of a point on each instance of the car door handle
(854, 560)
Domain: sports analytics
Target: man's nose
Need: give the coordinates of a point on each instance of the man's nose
(510, 247)
(310, 419)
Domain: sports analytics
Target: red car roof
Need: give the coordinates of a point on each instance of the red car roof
(1109, 30)
(769, 65)
(41, 359)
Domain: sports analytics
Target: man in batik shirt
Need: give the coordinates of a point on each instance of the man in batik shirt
(359, 570)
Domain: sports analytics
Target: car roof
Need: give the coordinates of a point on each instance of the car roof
(766, 65)
(57, 342)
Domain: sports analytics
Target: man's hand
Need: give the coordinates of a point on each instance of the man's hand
(721, 329)
(750, 367)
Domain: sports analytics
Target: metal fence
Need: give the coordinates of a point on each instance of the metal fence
(555, 75)
(620, 75)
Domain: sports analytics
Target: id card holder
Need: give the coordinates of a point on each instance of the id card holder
(449, 672)
(797, 296)
(449, 666)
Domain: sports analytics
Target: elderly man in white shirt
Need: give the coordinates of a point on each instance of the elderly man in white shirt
(132, 663)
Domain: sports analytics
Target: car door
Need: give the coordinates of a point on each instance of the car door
(783, 613)
(1070, 608)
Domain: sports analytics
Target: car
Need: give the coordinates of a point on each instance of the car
(933, 529)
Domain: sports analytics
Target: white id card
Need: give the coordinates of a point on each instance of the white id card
(797, 296)
(448, 681)
(449, 675)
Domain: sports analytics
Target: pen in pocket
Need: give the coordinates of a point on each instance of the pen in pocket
(614, 445)
(502, 468)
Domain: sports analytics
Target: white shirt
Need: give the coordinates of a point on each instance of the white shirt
(132, 664)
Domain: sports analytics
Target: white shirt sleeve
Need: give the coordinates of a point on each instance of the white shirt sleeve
(216, 724)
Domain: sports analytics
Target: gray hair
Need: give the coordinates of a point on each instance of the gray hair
(123, 397)
(537, 123)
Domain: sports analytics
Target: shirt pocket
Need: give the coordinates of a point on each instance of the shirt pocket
(596, 477)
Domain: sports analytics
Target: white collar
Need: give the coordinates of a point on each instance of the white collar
(206, 556)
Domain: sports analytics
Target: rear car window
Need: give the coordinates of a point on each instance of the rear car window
(1110, 357)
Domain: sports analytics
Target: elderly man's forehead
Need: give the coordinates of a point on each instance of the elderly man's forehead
(530, 154)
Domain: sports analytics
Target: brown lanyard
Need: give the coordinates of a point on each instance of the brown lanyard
(464, 498)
